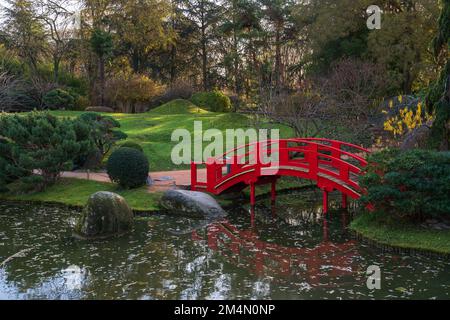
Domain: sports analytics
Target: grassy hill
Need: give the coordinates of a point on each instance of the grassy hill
(153, 129)
(178, 106)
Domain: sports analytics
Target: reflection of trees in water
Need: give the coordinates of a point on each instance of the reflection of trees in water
(245, 248)
(150, 263)
(232, 259)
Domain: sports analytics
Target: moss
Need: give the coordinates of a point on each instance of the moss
(401, 235)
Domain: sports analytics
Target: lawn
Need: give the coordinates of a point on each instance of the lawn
(75, 192)
(153, 129)
(407, 236)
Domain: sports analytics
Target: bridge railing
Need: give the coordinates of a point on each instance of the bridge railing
(315, 155)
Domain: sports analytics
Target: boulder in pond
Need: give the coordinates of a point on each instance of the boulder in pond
(192, 204)
(105, 215)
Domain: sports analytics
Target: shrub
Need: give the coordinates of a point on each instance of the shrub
(40, 142)
(132, 145)
(215, 101)
(414, 184)
(128, 167)
(130, 92)
(59, 99)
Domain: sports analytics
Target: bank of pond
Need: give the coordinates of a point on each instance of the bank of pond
(289, 250)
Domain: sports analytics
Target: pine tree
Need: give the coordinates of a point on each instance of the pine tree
(40, 143)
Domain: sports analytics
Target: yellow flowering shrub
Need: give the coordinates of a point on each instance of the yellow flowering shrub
(406, 120)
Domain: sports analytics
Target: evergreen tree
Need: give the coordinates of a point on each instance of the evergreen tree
(102, 45)
(40, 143)
(24, 32)
(204, 14)
(438, 99)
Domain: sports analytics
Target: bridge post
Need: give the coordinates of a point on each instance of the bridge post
(252, 194)
(325, 201)
(273, 190)
(193, 176)
(344, 201)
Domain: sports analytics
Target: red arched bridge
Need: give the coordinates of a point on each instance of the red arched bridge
(333, 165)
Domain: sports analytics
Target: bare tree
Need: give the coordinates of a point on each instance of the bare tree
(59, 22)
(39, 87)
(339, 105)
(352, 89)
(302, 111)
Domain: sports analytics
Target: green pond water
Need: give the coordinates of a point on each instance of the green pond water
(287, 251)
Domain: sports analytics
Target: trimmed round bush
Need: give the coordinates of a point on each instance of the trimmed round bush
(128, 167)
(215, 101)
(59, 99)
(132, 145)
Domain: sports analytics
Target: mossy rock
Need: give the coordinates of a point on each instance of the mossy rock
(105, 215)
(192, 204)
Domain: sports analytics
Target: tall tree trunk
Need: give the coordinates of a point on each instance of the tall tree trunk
(56, 62)
(204, 45)
(173, 68)
(204, 60)
(237, 83)
(135, 61)
(102, 80)
(277, 71)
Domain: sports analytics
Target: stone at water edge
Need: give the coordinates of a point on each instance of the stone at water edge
(191, 204)
(106, 214)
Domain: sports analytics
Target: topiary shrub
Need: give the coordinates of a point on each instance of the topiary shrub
(132, 145)
(128, 167)
(215, 101)
(59, 99)
(412, 184)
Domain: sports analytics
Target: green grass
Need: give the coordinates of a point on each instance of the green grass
(407, 236)
(153, 129)
(76, 192)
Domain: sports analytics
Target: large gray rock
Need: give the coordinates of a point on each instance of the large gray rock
(192, 204)
(106, 214)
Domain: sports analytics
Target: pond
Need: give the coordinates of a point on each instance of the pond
(287, 251)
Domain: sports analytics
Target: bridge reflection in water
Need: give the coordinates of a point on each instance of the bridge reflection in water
(316, 263)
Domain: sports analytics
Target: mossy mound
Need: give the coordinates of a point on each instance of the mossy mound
(178, 106)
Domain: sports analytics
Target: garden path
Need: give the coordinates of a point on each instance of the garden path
(162, 180)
